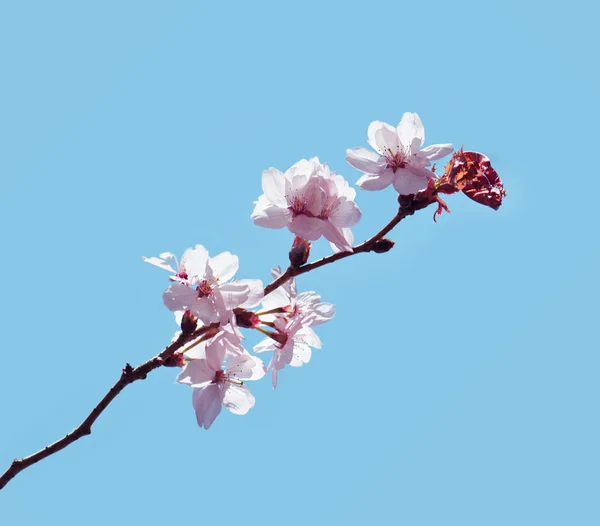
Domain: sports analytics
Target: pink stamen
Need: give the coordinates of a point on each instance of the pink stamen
(395, 160)
(204, 289)
(220, 377)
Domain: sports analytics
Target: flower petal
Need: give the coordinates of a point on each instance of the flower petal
(194, 261)
(196, 351)
(205, 310)
(238, 399)
(411, 132)
(337, 236)
(234, 294)
(196, 373)
(246, 367)
(268, 344)
(224, 266)
(324, 311)
(383, 138)
(307, 227)
(255, 292)
(346, 214)
(179, 297)
(207, 402)
(302, 354)
(435, 151)
(273, 185)
(406, 182)
(270, 216)
(276, 299)
(232, 341)
(284, 355)
(160, 263)
(309, 337)
(215, 354)
(365, 160)
(376, 182)
(305, 167)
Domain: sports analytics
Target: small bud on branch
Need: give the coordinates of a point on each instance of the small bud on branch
(383, 245)
(300, 252)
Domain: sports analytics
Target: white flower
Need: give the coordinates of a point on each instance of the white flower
(202, 285)
(193, 263)
(397, 159)
(307, 305)
(290, 345)
(214, 386)
(310, 200)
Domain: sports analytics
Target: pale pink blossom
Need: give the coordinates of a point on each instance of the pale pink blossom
(203, 285)
(397, 158)
(193, 263)
(216, 386)
(307, 305)
(291, 345)
(310, 200)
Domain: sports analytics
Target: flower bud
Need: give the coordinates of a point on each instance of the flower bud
(406, 201)
(189, 323)
(175, 360)
(300, 252)
(412, 202)
(383, 245)
(246, 318)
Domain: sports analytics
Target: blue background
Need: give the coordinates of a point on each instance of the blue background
(458, 383)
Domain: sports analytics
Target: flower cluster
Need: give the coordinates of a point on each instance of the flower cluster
(212, 307)
(311, 201)
(216, 364)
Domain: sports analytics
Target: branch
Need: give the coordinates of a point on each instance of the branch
(131, 374)
(128, 376)
(368, 246)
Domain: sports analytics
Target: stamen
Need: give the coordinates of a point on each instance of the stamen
(204, 289)
(396, 160)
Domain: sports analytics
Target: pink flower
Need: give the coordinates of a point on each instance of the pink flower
(310, 200)
(397, 159)
(307, 305)
(290, 344)
(193, 262)
(215, 386)
(202, 285)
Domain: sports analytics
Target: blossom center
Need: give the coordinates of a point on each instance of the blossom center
(221, 377)
(204, 289)
(297, 206)
(395, 160)
(328, 210)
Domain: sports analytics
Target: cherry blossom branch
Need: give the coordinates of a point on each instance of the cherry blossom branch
(128, 376)
(370, 245)
(291, 198)
(131, 374)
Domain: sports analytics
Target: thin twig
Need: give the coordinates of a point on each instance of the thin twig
(128, 376)
(367, 246)
(132, 374)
